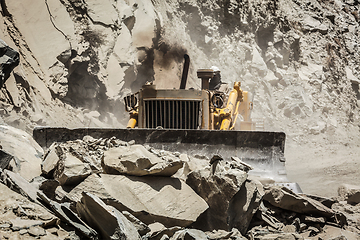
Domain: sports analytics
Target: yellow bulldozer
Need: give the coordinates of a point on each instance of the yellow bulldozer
(193, 121)
(189, 108)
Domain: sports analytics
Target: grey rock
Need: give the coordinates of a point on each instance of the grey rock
(47, 186)
(18, 223)
(9, 59)
(167, 200)
(217, 185)
(5, 159)
(69, 217)
(5, 225)
(36, 232)
(258, 66)
(286, 199)
(141, 227)
(189, 234)
(311, 24)
(71, 170)
(17, 183)
(51, 159)
(349, 193)
(26, 151)
(23, 231)
(328, 202)
(244, 205)
(137, 160)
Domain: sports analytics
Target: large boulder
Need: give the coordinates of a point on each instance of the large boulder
(137, 160)
(169, 201)
(218, 185)
(244, 205)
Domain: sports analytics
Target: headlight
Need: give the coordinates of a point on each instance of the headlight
(130, 102)
(218, 100)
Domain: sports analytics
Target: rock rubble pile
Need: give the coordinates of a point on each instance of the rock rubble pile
(112, 189)
(299, 59)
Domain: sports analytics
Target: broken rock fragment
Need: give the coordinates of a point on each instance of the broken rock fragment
(286, 199)
(71, 170)
(169, 201)
(111, 223)
(137, 160)
(18, 184)
(68, 216)
(48, 186)
(349, 193)
(141, 227)
(5, 159)
(191, 234)
(51, 159)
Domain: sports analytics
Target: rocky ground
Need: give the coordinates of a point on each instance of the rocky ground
(111, 189)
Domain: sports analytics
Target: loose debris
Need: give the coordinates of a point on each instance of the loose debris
(110, 189)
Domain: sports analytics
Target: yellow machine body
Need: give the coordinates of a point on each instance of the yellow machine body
(190, 108)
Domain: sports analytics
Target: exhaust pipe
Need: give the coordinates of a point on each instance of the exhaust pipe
(185, 71)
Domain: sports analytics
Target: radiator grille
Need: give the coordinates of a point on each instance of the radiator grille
(172, 114)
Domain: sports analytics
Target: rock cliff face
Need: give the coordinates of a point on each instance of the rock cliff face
(79, 58)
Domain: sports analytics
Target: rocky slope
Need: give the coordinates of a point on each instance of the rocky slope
(298, 58)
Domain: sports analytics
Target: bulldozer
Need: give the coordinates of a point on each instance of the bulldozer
(193, 121)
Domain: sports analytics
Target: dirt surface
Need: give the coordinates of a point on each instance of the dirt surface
(320, 170)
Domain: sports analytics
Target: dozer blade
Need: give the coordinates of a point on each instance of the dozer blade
(264, 151)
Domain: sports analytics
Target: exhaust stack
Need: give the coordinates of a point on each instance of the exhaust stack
(185, 71)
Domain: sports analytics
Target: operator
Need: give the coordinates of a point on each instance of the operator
(216, 83)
